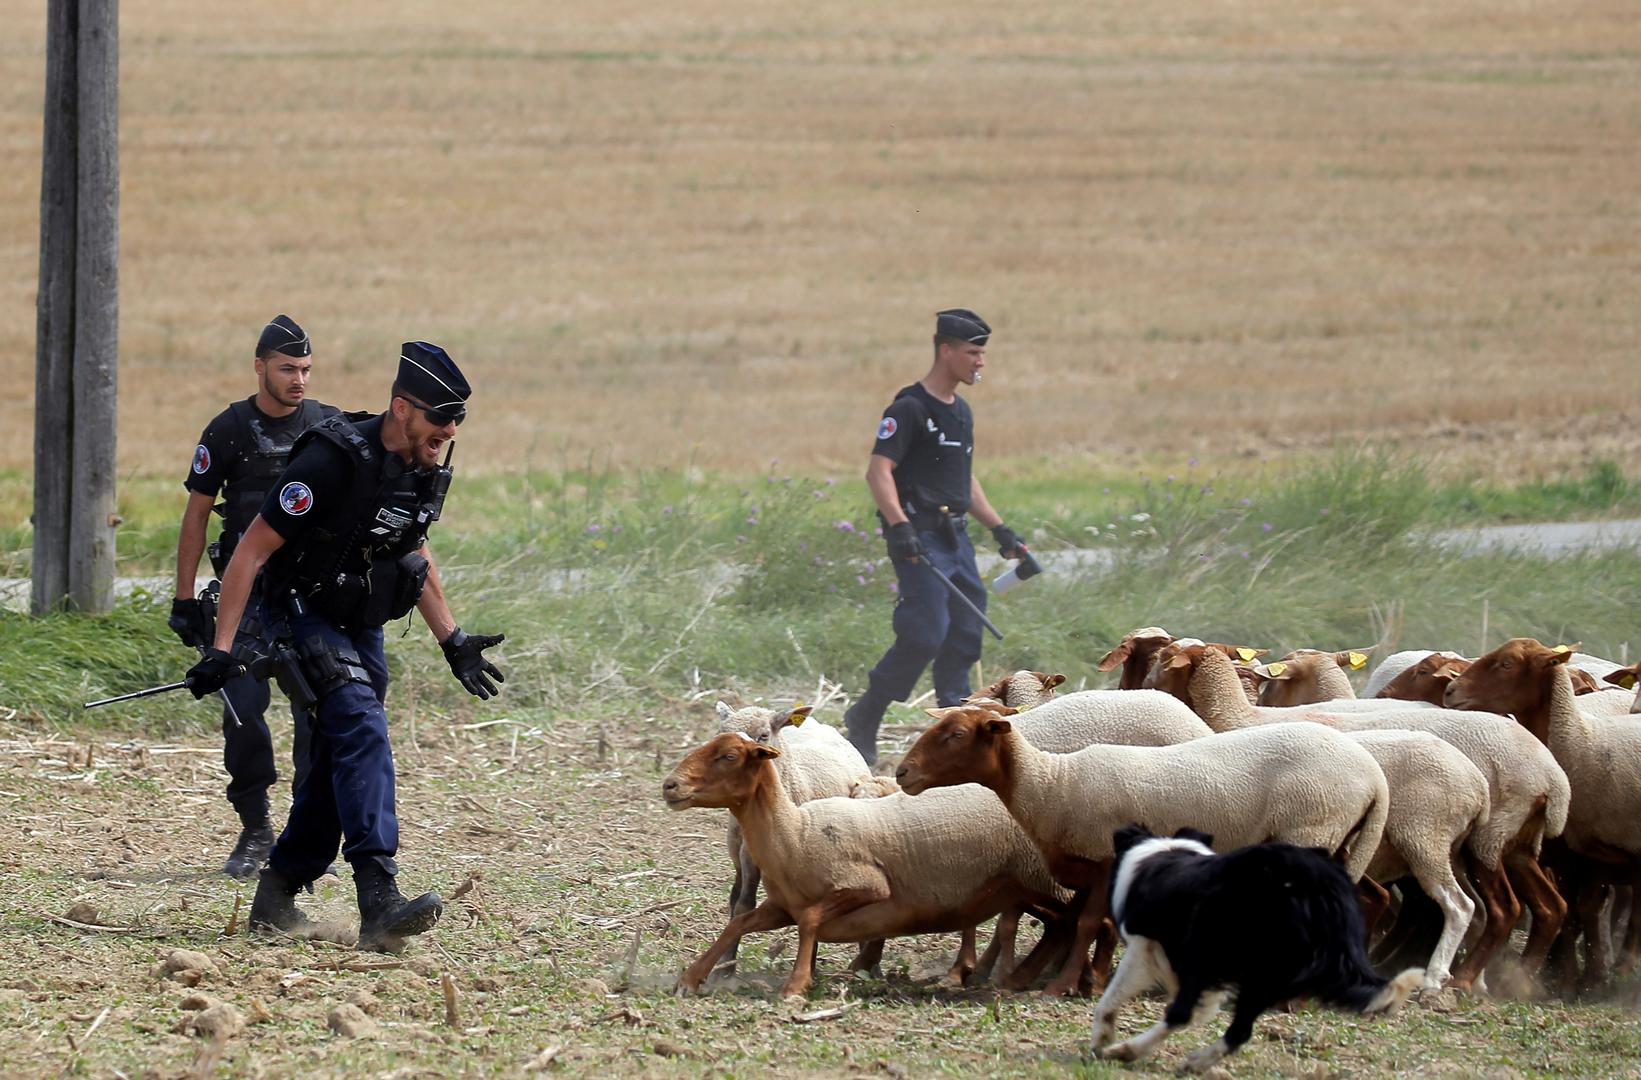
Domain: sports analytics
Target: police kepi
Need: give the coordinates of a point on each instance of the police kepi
(921, 475)
(341, 542)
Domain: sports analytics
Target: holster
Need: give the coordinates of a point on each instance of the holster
(325, 666)
(395, 586)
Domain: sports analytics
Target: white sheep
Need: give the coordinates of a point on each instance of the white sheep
(1601, 755)
(858, 869)
(1527, 795)
(1295, 782)
(1063, 724)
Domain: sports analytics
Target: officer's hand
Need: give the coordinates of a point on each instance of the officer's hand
(465, 653)
(192, 622)
(215, 668)
(1009, 544)
(903, 542)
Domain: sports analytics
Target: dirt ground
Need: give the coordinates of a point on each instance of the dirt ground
(577, 899)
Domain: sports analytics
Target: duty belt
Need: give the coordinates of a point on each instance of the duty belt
(936, 520)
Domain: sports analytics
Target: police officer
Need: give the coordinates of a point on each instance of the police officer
(921, 476)
(341, 547)
(241, 453)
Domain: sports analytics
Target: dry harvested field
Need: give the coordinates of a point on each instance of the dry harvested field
(584, 897)
(718, 229)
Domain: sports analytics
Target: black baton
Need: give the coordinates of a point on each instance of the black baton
(970, 604)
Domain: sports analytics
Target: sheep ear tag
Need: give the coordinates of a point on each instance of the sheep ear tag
(1561, 649)
(1357, 661)
(1246, 653)
(1627, 681)
(799, 713)
(1276, 669)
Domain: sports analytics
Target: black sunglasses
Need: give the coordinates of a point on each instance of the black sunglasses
(438, 417)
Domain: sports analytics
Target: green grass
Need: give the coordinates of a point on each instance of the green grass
(648, 587)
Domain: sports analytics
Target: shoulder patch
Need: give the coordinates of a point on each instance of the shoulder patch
(202, 460)
(295, 498)
(884, 430)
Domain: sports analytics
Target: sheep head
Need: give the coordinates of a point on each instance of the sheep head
(1628, 678)
(962, 747)
(760, 724)
(872, 787)
(1308, 675)
(1428, 679)
(1022, 689)
(1135, 652)
(723, 772)
(1517, 677)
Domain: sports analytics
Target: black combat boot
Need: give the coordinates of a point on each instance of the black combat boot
(386, 918)
(862, 722)
(256, 839)
(274, 906)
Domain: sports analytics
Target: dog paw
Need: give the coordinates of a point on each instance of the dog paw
(1123, 1051)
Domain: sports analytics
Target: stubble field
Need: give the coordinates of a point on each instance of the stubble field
(718, 230)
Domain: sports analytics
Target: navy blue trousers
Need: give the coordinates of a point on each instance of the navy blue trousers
(347, 797)
(247, 747)
(932, 625)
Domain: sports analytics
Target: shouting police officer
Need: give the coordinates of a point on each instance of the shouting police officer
(242, 452)
(921, 477)
(341, 546)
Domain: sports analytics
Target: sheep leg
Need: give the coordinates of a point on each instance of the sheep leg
(1544, 900)
(869, 956)
(1097, 972)
(803, 967)
(1632, 935)
(1503, 909)
(999, 954)
(1592, 898)
(964, 965)
(1374, 899)
(1052, 947)
(743, 895)
(1090, 921)
(1457, 911)
(766, 916)
(1135, 975)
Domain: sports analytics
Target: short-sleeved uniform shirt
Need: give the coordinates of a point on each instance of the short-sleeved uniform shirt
(242, 445)
(317, 487)
(932, 446)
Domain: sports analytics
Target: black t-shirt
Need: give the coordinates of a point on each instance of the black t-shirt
(318, 486)
(222, 453)
(932, 446)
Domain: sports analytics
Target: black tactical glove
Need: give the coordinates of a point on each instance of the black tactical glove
(215, 668)
(1009, 545)
(903, 541)
(465, 653)
(192, 621)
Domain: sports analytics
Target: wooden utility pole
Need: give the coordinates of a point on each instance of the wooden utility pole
(78, 310)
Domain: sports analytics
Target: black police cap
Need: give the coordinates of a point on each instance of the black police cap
(283, 335)
(427, 373)
(962, 324)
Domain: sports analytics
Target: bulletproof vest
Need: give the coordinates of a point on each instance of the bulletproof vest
(262, 457)
(360, 568)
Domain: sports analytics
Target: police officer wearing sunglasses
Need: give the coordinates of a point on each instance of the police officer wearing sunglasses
(240, 455)
(341, 548)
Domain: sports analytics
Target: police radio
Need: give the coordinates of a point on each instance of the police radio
(441, 487)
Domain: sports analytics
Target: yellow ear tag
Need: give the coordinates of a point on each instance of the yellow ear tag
(1627, 682)
(796, 719)
(1276, 669)
(1021, 708)
(1247, 653)
(1561, 649)
(1357, 661)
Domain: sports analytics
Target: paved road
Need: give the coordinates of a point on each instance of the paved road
(1550, 538)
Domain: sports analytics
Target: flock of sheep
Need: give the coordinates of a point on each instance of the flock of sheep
(1483, 789)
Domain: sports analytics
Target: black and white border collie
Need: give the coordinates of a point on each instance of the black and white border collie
(1270, 922)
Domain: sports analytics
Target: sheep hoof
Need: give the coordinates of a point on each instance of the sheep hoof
(1123, 1051)
(683, 988)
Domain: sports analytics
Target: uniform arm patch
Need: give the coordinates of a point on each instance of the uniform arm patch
(202, 460)
(296, 498)
(885, 430)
